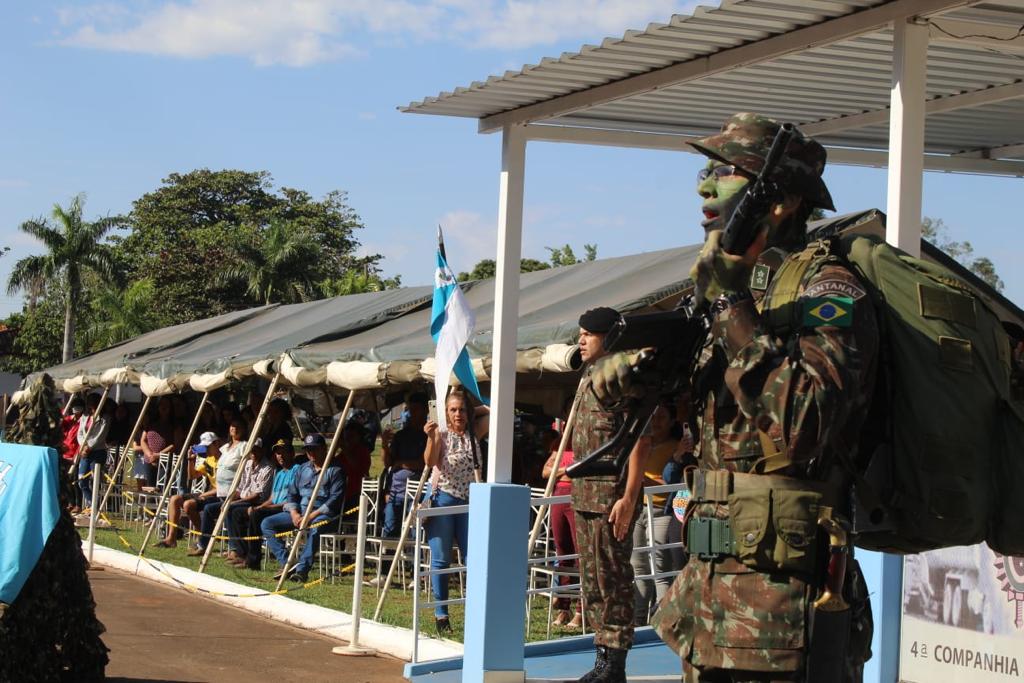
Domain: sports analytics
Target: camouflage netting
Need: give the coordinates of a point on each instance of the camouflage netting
(50, 632)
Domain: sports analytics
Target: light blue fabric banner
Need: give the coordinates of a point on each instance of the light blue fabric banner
(29, 510)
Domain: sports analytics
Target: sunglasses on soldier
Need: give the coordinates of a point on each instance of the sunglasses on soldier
(720, 172)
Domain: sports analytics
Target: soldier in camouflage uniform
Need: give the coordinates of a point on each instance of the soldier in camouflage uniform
(779, 409)
(605, 509)
(50, 632)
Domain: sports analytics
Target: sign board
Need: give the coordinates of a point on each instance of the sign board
(962, 617)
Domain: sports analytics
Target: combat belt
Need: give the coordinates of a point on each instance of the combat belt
(772, 527)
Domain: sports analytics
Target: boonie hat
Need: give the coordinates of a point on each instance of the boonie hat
(744, 142)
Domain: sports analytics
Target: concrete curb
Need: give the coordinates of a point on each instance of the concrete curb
(384, 638)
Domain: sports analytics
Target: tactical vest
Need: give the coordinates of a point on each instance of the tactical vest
(940, 461)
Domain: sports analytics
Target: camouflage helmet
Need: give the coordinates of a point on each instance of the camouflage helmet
(744, 142)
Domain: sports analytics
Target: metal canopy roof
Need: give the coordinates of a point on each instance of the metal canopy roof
(824, 64)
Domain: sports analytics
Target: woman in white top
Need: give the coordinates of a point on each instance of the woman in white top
(455, 456)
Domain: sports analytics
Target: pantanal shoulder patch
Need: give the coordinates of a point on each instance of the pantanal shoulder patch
(835, 311)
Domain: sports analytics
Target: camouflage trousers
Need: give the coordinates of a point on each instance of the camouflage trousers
(606, 577)
(692, 674)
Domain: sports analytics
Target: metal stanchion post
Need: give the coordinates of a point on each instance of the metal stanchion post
(353, 648)
(96, 469)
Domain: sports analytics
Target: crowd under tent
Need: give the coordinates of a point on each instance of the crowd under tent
(907, 85)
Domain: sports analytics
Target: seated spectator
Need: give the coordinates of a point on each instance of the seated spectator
(202, 463)
(250, 553)
(403, 456)
(93, 427)
(278, 425)
(253, 489)
(230, 460)
(162, 435)
(326, 505)
(354, 458)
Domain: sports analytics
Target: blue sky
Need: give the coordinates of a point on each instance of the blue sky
(109, 98)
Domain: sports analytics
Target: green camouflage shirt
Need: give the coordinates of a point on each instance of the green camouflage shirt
(593, 427)
(808, 391)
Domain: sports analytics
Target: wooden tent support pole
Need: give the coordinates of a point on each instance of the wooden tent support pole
(125, 451)
(553, 477)
(304, 524)
(410, 517)
(88, 433)
(172, 474)
(238, 473)
(67, 405)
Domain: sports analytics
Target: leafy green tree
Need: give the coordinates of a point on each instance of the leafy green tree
(73, 247)
(935, 231)
(275, 267)
(36, 333)
(356, 282)
(565, 256)
(191, 229)
(119, 314)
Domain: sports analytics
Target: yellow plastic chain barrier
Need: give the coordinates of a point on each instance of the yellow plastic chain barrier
(196, 589)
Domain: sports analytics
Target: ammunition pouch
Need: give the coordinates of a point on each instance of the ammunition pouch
(772, 524)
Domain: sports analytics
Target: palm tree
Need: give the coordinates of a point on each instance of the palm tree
(121, 314)
(280, 269)
(72, 246)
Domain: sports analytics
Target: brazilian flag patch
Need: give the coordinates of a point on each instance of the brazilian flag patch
(836, 311)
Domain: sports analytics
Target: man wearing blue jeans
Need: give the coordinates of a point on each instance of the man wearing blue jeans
(327, 505)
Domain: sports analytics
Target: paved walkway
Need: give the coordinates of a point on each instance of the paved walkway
(160, 634)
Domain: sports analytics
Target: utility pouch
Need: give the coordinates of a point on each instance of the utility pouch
(775, 529)
(795, 514)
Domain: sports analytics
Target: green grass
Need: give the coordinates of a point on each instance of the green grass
(397, 609)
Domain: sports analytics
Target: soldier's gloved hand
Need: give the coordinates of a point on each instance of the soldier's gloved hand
(613, 379)
(717, 272)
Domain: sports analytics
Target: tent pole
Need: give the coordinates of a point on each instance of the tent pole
(238, 473)
(298, 427)
(88, 432)
(67, 405)
(316, 489)
(125, 451)
(563, 442)
(406, 523)
(172, 474)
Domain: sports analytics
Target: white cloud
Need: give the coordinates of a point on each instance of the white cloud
(304, 32)
(468, 238)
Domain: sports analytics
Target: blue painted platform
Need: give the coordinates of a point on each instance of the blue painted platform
(566, 659)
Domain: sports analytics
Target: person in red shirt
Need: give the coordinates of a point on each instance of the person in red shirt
(354, 458)
(69, 428)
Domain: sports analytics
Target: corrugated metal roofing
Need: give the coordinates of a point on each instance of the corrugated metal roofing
(816, 85)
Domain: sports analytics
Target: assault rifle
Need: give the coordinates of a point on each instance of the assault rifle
(672, 340)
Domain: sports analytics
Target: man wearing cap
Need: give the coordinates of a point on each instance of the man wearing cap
(605, 510)
(249, 519)
(781, 394)
(326, 506)
(202, 463)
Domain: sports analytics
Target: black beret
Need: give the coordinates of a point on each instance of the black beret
(599, 320)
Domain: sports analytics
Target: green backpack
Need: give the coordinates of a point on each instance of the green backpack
(941, 457)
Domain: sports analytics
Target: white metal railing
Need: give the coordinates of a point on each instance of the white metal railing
(549, 557)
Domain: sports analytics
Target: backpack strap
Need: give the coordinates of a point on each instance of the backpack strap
(779, 305)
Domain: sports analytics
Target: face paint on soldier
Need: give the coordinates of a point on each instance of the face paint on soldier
(721, 192)
(591, 345)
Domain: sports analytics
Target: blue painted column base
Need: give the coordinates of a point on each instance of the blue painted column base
(884, 576)
(496, 575)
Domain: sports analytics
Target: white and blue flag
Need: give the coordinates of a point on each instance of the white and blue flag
(28, 511)
(451, 326)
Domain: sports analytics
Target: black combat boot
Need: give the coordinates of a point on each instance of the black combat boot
(614, 670)
(600, 662)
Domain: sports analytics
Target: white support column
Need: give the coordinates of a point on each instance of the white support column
(906, 136)
(506, 303)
